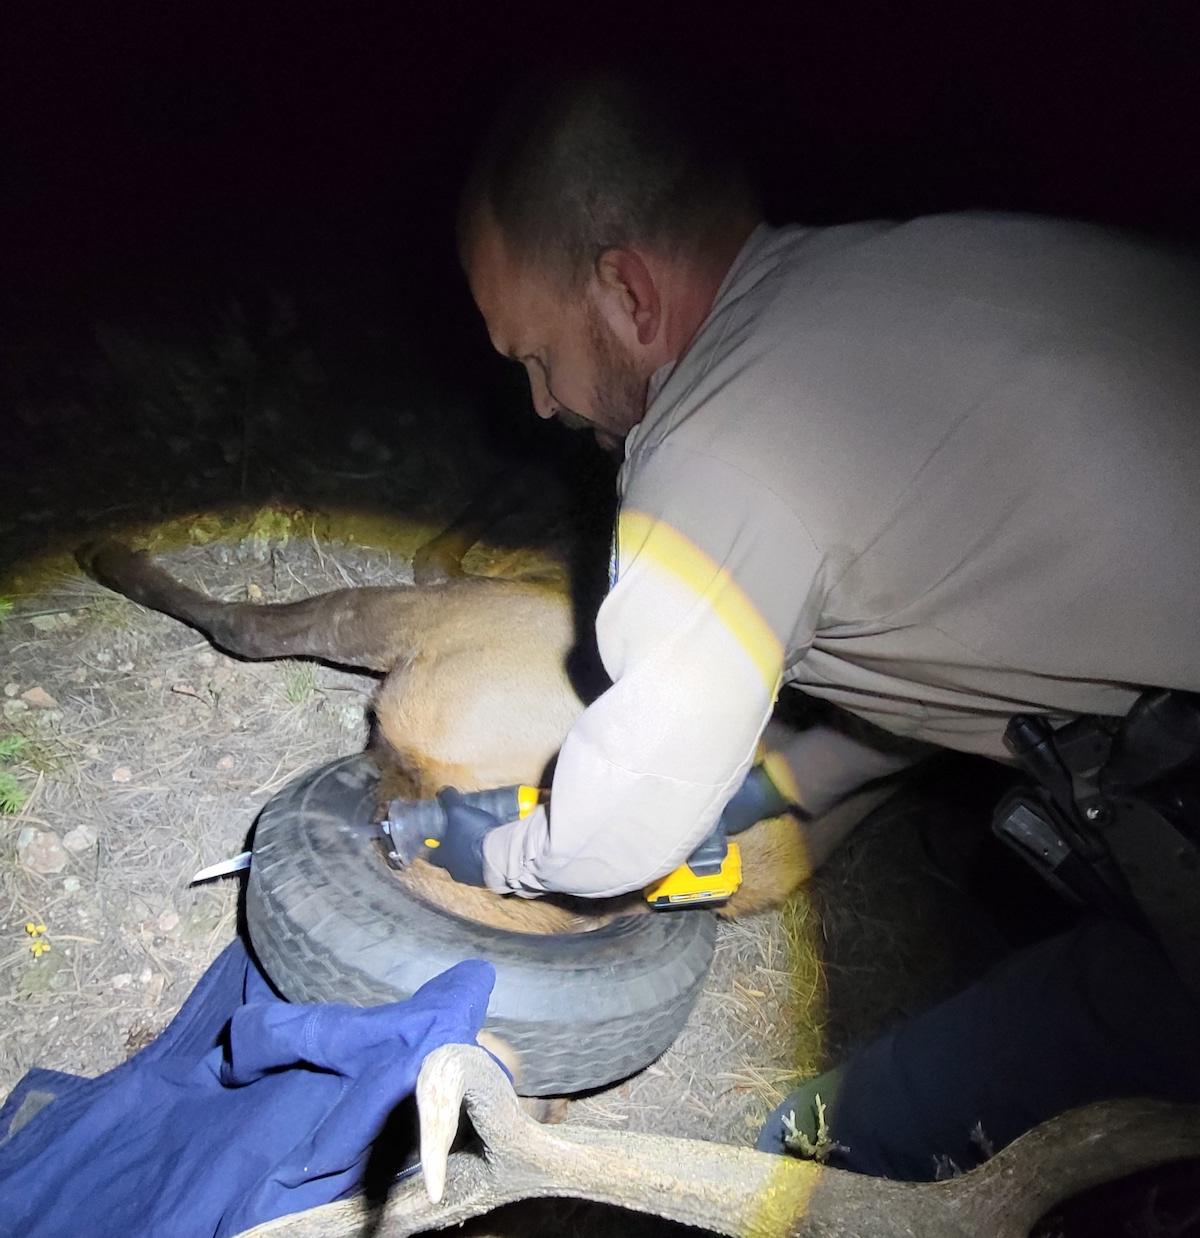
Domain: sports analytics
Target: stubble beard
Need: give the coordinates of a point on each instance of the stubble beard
(619, 393)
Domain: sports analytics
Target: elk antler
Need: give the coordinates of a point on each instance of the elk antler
(736, 1191)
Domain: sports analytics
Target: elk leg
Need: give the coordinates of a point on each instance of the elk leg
(368, 627)
(440, 558)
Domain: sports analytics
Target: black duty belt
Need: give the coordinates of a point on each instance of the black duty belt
(1112, 818)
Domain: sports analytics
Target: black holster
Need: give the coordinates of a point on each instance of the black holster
(1111, 817)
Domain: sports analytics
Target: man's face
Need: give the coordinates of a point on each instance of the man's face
(578, 369)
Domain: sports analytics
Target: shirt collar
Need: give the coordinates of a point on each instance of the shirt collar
(660, 377)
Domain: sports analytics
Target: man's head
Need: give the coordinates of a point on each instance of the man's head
(595, 229)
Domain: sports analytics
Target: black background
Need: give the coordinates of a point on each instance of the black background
(180, 139)
(162, 158)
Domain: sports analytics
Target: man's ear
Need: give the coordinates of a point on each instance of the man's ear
(627, 295)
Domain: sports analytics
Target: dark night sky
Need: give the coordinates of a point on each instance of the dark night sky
(160, 159)
(166, 135)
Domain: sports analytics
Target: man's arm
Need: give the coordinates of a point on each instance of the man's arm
(693, 634)
(819, 766)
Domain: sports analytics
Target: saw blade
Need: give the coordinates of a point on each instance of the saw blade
(222, 868)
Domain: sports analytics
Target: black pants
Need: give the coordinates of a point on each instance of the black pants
(1094, 1014)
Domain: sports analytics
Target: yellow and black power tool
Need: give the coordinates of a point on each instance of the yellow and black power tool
(710, 876)
(713, 872)
(416, 827)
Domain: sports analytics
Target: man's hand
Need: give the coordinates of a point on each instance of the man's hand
(460, 848)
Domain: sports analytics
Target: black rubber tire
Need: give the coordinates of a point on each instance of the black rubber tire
(329, 922)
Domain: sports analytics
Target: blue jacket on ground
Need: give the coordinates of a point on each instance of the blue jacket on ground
(246, 1108)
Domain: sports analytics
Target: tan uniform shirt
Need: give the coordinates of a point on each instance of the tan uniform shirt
(937, 472)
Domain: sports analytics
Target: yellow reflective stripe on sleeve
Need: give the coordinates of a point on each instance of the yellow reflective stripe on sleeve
(643, 537)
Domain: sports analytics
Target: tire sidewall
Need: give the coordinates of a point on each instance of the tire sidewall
(329, 922)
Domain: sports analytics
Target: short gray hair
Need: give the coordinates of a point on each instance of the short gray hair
(576, 166)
